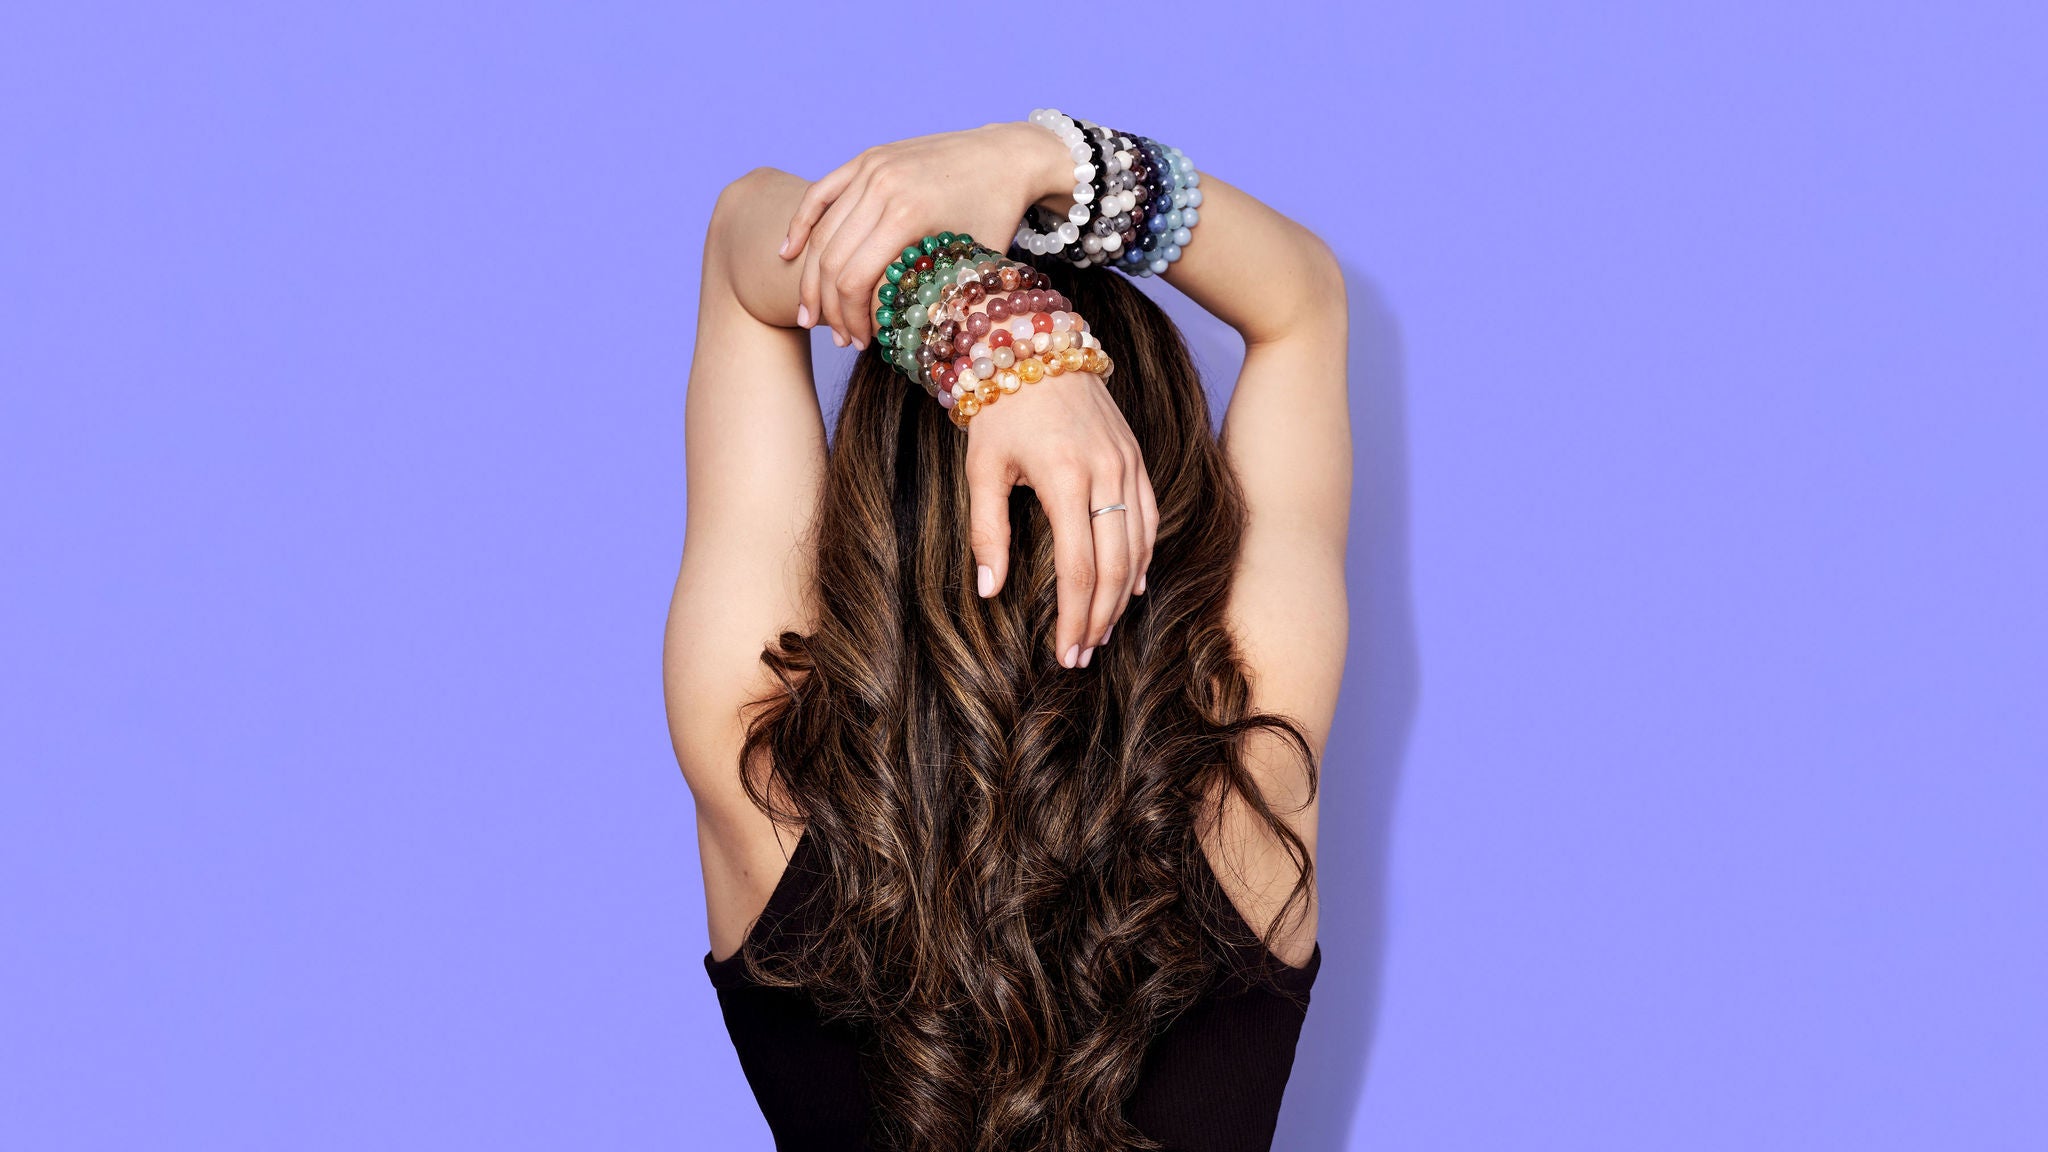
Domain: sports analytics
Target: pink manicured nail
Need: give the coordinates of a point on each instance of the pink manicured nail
(1087, 656)
(784, 250)
(803, 316)
(985, 580)
(1072, 657)
(859, 345)
(1141, 584)
(1106, 632)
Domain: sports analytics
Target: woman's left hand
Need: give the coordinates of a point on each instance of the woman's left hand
(852, 223)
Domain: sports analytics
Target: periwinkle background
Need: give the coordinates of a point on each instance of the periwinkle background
(1689, 793)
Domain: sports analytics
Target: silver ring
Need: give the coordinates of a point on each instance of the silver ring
(1111, 508)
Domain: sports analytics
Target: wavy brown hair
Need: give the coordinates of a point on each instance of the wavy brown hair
(1012, 905)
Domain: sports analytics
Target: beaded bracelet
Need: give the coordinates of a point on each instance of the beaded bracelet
(970, 325)
(1144, 197)
(1124, 180)
(912, 284)
(1171, 216)
(1086, 154)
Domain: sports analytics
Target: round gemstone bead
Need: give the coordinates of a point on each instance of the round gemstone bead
(1040, 322)
(1008, 277)
(999, 338)
(1072, 359)
(1031, 371)
(1003, 357)
(1041, 341)
(1054, 366)
(986, 367)
(998, 308)
(946, 399)
(986, 392)
(978, 324)
(1009, 381)
(967, 406)
(886, 317)
(911, 254)
(894, 272)
(887, 294)
(930, 244)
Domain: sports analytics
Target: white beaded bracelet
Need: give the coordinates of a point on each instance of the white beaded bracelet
(1039, 243)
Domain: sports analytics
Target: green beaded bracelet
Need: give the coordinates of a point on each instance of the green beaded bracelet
(911, 284)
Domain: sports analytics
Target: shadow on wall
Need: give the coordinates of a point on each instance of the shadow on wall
(1369, 743)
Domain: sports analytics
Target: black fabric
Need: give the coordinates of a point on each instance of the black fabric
(1212, 1082)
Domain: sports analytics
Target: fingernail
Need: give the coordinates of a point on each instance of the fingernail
(803, 316)
(1087, 656)
(838, 339)
(1141, 584)
(985, 580)
(1072, 657)
(784, 250)
(859, 345)
(1106, 632)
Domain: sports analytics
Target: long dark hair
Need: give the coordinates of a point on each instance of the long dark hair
(1011, 848)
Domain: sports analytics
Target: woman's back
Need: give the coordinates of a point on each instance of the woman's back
(1019, 881)
(1211, 1082)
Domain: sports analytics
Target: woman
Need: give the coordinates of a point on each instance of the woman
(1006, 799)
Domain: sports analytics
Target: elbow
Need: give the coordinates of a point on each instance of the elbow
(1323, 275)
(735, 199)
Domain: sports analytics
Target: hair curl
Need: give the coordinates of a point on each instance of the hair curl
(1011, 848)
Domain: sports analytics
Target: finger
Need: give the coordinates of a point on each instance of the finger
(1112, 559)
(811, 208)
(863, 270)
(1134, 534)
(808, 290)
(853, 231)
(988, 525)
(1148, 513)
(1073, 561)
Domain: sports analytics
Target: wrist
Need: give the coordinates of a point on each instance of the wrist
(1048, 166)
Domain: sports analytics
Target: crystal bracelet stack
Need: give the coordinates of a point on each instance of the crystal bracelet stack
(970, 325)
(1134, 211)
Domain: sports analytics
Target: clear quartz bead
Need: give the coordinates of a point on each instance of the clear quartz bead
(1069, 232)
(1080, 153)
(1078, 214)
(1112, 242)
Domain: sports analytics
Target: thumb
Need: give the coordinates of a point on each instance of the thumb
(988, 528)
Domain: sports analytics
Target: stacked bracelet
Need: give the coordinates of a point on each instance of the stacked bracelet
(913, 283)
(1133, 210)
(970, 325)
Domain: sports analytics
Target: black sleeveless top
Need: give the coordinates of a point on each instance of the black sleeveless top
(1211, 1082)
